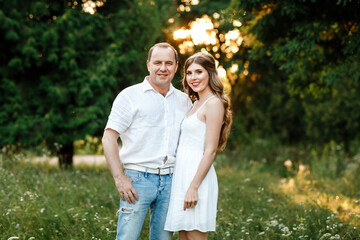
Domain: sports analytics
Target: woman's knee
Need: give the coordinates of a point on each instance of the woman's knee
(196, 235)
(182, 235)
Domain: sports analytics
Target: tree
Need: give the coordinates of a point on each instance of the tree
(315, 46)
(257, 89)
(47, 93)
(62, 67)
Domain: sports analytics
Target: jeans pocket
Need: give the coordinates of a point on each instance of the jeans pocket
(133, 174)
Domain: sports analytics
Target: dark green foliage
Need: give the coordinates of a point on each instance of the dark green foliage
(46, 93)
(260, 99)
(61, 67)
(304, 55)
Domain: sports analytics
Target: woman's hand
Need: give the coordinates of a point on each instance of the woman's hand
(191, 198)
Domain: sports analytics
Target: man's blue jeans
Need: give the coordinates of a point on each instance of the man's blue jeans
(154, 192)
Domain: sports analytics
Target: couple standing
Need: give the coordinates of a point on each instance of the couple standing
(149, 117)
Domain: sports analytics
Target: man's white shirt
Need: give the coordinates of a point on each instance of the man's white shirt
(148, 124)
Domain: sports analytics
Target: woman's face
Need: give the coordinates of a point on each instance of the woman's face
(197, 78)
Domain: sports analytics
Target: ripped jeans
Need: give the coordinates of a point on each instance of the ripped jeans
(154, 192)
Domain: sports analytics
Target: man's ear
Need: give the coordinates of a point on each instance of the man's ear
(148, 65)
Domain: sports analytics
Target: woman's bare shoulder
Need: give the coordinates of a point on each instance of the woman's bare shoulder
(215, 102)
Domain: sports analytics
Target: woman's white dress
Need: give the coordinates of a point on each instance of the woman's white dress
(189, 154)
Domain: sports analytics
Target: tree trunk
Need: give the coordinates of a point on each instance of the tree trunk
(65, 155)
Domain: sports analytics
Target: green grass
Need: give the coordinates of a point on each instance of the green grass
(257, 200)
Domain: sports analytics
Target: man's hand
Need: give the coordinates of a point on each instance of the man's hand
(111, 151)
(191, 198)
(126, 189)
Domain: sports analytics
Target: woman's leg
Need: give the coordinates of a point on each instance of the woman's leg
(182, 235)
(196, 235)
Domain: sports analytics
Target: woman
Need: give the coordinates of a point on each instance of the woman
(205, 129)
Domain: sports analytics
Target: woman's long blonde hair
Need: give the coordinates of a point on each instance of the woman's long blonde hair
(207, 61)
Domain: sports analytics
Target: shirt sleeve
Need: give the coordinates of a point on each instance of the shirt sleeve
(122, 114)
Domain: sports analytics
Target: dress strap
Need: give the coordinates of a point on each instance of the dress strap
(204, 103)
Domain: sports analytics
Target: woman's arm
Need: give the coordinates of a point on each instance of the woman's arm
(213, 114)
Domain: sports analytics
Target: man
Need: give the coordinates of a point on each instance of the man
(147, 117)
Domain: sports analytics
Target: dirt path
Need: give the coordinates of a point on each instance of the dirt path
(83, 159)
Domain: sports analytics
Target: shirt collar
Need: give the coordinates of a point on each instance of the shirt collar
(147, 86)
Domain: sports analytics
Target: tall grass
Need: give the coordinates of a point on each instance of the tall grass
(266, 191)
(46, 203)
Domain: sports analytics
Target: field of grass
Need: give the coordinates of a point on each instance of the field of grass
(285, 195)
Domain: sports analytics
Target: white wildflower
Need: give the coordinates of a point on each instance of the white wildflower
(285, 231)
(301, 226)
(288, 163)
(325, 235)
(273, 223)
(337, 236)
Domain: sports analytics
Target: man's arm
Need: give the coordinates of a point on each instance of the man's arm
(111, 151)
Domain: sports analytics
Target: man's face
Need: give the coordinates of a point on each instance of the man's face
(162, 67)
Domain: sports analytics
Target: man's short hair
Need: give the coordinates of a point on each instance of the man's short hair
(163, 45)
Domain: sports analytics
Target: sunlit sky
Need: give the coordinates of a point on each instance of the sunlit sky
(203, 31)
(90, 6)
